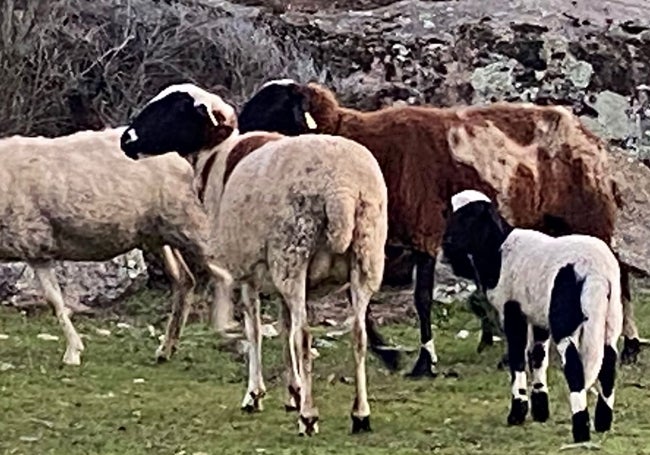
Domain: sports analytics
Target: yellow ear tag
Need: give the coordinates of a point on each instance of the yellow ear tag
(311, 123)
(212, 117)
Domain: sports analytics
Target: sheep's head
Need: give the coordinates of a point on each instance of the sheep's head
(472, 239)
(182, 118)
(289, 108)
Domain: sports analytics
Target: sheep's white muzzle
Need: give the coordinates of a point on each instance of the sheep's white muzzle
(131, 136)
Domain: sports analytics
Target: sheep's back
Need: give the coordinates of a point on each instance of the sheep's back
(77, 203)
(287, 179)
(540, 164)
(531, 261)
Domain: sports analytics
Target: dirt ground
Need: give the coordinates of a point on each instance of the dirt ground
(311, 6)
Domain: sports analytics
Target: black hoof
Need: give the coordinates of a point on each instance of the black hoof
(360, 424)
(518, 411)
(290, 408)
(249, 409)
(390, 357)
(309, 426)
(604, 416)
(503, 363)
(487, 340)
(539, 406)
(631, 350)
(580, 421)
(424, 367)
(161, 359)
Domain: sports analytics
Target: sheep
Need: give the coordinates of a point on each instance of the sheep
(546, 170)
(295, 216)
(567, 288)
(77, 198)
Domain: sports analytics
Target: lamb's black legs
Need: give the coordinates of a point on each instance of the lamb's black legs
(516, 330)
(605, 405)
(575, 377)
(538, 362)
(481, 307)
(423, 296)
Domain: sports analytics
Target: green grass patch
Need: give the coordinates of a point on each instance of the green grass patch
(191, 404)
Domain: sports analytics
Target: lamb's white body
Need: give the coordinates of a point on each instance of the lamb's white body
(565, 288)
(531, 261)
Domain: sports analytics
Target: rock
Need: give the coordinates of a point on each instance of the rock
(87, 283)
(448, 53)
(269, 331)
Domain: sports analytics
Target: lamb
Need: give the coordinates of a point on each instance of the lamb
(292, 215)
(78, 198)
(566, 287)
(539, 162)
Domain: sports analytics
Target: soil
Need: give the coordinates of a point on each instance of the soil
(312, 6)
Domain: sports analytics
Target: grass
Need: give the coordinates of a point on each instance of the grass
(191, 404)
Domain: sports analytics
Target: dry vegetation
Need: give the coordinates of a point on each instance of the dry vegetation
(67, 65)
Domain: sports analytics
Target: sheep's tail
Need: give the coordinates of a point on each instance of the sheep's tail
(596, 302)
(368, 242)
(340, 213)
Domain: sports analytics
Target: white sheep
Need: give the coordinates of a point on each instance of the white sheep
(568, 286)
(77, 198)
(294, 215)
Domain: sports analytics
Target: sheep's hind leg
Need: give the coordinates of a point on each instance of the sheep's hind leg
(538, 361)
(252, 323)
(52, 291)
(360, 297)
(575, 377)
(606, 377)
(516, 330)
(182, 284)
(631, 342)
(292, 401)
(425, 366)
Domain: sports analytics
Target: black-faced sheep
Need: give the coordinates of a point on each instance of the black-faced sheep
(78, 198)
(295, 215)
(568, 286)
(543, 167)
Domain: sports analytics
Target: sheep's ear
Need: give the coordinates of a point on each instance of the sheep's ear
(311, 123)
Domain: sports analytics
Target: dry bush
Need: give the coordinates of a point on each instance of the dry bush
(67, 65)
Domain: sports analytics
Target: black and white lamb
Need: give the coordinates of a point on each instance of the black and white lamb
(567, 288)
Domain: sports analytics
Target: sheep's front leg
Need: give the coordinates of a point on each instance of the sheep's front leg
(52, 292)
(516, 331)
(360, 298)
(182, 284)
(538, 361)
(252, 323)
(424, 269)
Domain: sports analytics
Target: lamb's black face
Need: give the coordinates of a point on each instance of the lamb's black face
(172, 123)
(472, 240)
(278, 106)
(461, 237)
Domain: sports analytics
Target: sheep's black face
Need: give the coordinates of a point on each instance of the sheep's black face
(278, 106)
(172, 123)
(472, 241)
